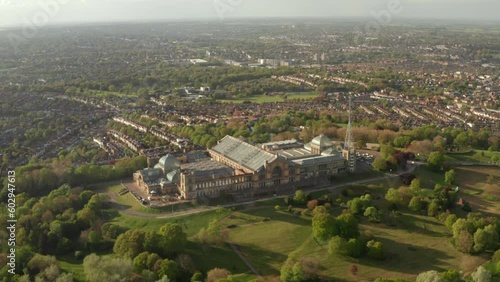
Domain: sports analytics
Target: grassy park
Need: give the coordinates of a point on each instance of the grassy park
(270, 99)
(475, 156)
(266, 237)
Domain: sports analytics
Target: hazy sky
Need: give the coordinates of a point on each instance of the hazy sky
(15, 12)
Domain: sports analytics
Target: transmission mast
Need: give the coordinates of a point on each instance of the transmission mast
(349, 151)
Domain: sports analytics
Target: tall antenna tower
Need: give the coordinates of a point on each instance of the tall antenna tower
(349, 151)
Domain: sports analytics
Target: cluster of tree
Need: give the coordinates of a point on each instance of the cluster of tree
(63, 222)
(356, 247)
(42, 268)
(439, 201)
(481, 274)
(363, 206)
(425, 139)
(295, 270)
(170, 240)
(38, 179)
(474, 234)
(159, 254)
(213, 234)
(391, 159)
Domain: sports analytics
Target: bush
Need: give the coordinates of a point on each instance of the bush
(450, 219)
(300, 197)
(353, 269)
(79, 255)
(344, 193)
(375, 250)
(466, 207)
(312, 204)
(216, 274)
(306, 212)
(277, 207)
(415, 204)
(373, 214)
(496, 256)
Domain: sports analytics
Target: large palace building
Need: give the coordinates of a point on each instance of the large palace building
(241, 169)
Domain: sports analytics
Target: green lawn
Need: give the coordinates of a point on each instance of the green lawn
(73, 266)
(474, 156)
(414, 243)
(270, 99)
(100, 93)
(193, 222)
(270, 241)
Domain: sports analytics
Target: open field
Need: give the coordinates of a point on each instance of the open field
(474, 156)
(270, 99)
(72, 266)
(483, 197)
(100, 93)
(414, 243)
(266, 237)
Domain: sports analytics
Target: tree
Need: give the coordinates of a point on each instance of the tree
(140, 262)
(433, 208)
(379, 164)
(415, 204)
(373, 214)
(355, 206)
(464, 242)
(152, 260)
(40, 262)
(129, 244)
(436, 160)
(451, 276)
(338, 246)
(375, 250)
(485, 239)
(197, 277)
(324, 226)
(300, 197)
(168, 268)
(449, 176)
(99, 269)
(450, 220)
(429, 276)
(348, 226)
(415, 188)
(393, 196)
(216, 274)
(173, 238)
(481, 275)
(292, 272)
(387, 151)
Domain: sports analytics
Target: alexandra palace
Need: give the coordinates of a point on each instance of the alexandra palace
(242, 169)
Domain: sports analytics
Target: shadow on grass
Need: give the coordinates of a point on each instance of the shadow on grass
(206, 257)
(284, 216)
(261, 259)
(408, 259)
(415, 224)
